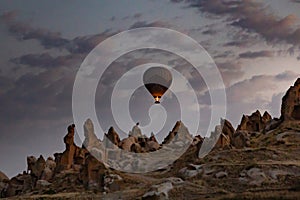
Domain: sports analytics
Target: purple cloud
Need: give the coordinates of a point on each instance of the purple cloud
(49, 39)
(45, 60)
(253, 17)
(256, 54)
(140, 24)
(24, 31)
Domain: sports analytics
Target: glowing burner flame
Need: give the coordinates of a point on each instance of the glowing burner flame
(157, 99)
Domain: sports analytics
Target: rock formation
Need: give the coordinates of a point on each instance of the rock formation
(66, 159)
(72, 156)
(126, 143)
(91, 139)
(255, 122)
(3, 184)
(35, 166)
(241, 139)
(92, 173)
(250, 125)
(266, 117)
(19, 184)
(3, 177)
(136, 131)
(136, 148)
(111, 139)
(152, 146)
(290, 107)
(172, 133)
(221, 139)
(74, 163)
(31, 160)
(227, 128)
(49, 169)
(223, 134)
(152, 137)
(50, 163)
(270, 162)
(197, 141)
(159, 191)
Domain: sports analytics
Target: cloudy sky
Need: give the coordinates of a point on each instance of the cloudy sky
(255, 45)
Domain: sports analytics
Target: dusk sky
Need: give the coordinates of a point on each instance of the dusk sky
(255, 45)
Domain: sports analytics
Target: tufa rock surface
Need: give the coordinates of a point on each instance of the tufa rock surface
(226, 136)
(111, 139)
(255, 122)
(66, 159)
(91, 139)
(3, 177)
(290, 107)
(172, 134)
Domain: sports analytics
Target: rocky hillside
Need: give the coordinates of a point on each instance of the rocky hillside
(258, 160)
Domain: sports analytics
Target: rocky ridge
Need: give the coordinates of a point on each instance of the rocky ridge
(258, 160)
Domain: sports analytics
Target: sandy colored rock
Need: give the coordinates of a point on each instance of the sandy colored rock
(50, 163)
(91, 139)
(257, 176)
(255, 122)
(290, 107)
(3, 177)
(197, 140)
(152, 146)
(190, 171)
(159, 191)
(226, 136)
(3, 184)
(152, 138)
(31, 160)
(41, 184)
(19, 184)
(40, 166)
(172, 133)
(67, 156)
(79, 157)
(266, 117)
(228, 129)
(126, 143)
(111, 139)
(241, 139)
(47, 174)
(136, 131)
(223, 141)
(93, 173)
(221, 175)
(112, 182)
(251, 123)
(136, 148)
(36, 166)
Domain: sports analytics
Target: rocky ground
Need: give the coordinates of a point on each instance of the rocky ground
(258, 160)
(271, 172)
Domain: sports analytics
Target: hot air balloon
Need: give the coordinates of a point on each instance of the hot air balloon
(157, 80)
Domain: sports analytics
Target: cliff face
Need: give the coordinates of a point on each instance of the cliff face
(290, 108)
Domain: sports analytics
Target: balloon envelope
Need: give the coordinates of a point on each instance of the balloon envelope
(157, 80)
